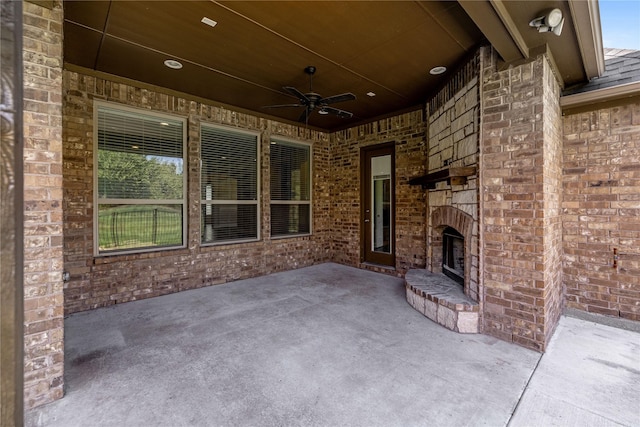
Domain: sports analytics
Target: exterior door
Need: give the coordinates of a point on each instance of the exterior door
(378, 204)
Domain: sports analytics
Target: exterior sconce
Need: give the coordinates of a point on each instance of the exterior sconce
(552, 21)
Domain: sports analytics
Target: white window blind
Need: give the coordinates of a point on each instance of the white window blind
(140, 180)
(229, 185)
(290, 188)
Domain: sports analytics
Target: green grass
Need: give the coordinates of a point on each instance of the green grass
(139, 226)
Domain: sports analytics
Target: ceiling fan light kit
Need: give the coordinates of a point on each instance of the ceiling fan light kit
(312, 100)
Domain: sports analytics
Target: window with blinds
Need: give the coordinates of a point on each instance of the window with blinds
(290, 189)
(229, 185)
(141, 181)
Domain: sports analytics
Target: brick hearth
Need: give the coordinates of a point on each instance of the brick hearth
(442, 300)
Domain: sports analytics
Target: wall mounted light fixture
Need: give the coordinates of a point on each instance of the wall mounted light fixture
(552, 21)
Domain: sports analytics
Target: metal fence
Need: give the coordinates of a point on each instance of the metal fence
(119, 229)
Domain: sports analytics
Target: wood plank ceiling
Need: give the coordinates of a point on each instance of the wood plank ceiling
(386, 48)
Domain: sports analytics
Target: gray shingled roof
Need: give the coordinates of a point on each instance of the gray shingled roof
(621, 66)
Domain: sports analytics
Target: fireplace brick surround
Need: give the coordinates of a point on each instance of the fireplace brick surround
(435, 295)
(448, 216)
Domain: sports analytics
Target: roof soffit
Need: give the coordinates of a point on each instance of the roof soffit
(578, 51)
(492, 25)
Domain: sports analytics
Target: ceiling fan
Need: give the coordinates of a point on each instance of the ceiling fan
(312, 101)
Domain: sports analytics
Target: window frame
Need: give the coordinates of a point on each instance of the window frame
(97, 201)
(257, 202)
(288, 141)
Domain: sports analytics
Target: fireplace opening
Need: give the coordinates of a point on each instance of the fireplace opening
(453, 255)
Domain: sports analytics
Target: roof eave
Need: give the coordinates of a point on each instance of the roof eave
(597, 96)
(586, 22)
(497, 26)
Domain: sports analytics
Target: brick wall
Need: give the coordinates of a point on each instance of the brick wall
(43, 299)
(552, 219)
(520, 227)
(601, 210)
(102, 281)
(406, 131)
(453, 118)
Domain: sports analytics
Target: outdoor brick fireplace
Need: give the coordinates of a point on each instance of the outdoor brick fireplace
(447, 291)
(448, 294)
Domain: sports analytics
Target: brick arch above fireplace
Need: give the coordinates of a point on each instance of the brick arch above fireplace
(448, 216)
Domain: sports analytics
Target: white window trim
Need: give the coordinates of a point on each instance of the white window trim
(96, 200)
(232, 202)
(273, 141)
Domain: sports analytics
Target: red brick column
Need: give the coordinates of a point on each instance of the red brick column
(43, 299)
(520, 172)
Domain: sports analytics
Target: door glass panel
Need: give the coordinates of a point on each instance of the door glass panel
(381, 204)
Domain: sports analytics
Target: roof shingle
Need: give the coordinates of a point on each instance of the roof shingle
(621, 66)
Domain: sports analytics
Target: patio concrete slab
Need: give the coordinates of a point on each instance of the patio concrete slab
(589, 376)
(331, 345)
(326, 345)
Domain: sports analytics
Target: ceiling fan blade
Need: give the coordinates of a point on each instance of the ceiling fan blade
(314, 101)
(338, 98)
(295, 92)
(283, 105)
(340, 113)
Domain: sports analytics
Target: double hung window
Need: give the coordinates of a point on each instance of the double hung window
(140, 185)
(229, 185)
(290, 188)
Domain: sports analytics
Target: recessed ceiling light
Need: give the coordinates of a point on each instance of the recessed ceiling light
(209, 22)
(323, 111)
(437, 70)
(371, 94)
(173, 64)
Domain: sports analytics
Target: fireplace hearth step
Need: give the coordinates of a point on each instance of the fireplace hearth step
(442, 300)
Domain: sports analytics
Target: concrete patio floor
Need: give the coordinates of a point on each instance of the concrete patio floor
(329, 345)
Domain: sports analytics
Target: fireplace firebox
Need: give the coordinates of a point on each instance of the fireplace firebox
(453, 255)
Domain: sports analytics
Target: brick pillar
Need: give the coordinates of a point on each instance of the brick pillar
(43, 299)
(11, 249)
(520, 171)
